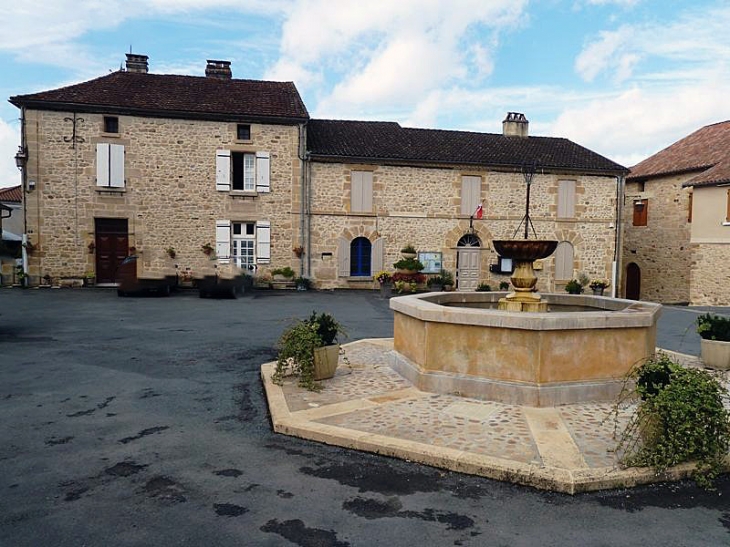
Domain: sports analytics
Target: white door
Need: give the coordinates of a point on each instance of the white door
(467, 270)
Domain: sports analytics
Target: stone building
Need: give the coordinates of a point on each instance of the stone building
(373, 187)
(677, 218)
(148, 164)
(166, 165)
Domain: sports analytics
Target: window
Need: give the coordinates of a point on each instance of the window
(245, 243)
(110, 165)
(360, 249)
(111, 124)
(471, 194)
(640, 212)
(243, 171)
(564, 261)
(361, 200)
(243, 132)
(359, 257)
(566, 199)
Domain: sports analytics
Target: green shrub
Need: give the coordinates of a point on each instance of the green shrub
(680, 418)
(573, 287)
(503, 286)
(409, 264)
(714, 327)
(286, 272)
(484, 287)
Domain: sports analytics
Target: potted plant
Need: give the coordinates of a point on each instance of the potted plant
(409, 251)
(283, 274)
(298, 251)
(171, 252)
(680, 418)
(408, 265)
(483, 287)
(385, 279)
(309, 350)
(715, 344)
(503, 285)
(89, 278)
(435, 283)
(448, 279)
(573, 287)
(207, 249)
(303, 283)
(598, 286)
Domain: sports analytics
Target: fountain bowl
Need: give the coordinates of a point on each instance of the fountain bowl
(525, 249)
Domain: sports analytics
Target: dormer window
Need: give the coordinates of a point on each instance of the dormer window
(111, 124)
(243, 132)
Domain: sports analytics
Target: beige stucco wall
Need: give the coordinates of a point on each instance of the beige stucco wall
(662, 248)
(710, 224)
(421, 206)
(170, 197)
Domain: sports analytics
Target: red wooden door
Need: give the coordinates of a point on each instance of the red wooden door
(112, 244)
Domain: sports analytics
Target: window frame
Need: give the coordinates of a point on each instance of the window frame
(111, 125)
(243, 127)
(361, 257)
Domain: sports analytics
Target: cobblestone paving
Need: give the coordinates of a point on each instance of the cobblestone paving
(437, 420)
(367, 375)
(596, 430)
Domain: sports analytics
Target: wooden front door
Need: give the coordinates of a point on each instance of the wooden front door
(112, 244)
(633, 282)
(468, 263)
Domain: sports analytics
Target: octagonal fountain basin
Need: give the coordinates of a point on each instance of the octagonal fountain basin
(580, 350)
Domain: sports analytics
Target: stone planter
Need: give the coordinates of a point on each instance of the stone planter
(715, 354)
(409, 255)
(325, 361)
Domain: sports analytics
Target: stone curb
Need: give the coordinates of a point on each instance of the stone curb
(564, 480)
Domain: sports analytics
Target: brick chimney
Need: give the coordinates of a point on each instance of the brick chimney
(515, 125)
(137, 63)
(218, 69)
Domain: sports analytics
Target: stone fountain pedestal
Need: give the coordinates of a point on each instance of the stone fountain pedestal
(524, 297)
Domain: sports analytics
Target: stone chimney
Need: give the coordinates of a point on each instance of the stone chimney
(137, 63)
(515, 125)
(218, 69)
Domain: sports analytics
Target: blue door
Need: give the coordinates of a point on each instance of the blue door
(360, 253)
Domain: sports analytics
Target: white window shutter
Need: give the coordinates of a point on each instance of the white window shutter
(566, 199)
(116, 165)
(263, 169)
(102, 164)
(263, 242)
(223, 241)
(356, 191)
(223, 170)
(343, 257)
(471, 189)
(367, 192)
(376, 259)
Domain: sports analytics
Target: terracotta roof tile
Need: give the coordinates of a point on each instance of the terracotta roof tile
(388, 141)
(706, 150)
(12, 194)
(175, 95)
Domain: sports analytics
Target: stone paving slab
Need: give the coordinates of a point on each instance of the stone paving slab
(368, 406)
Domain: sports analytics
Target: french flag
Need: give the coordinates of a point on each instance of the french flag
(479, 212)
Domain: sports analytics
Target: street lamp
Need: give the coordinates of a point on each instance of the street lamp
(21, 158)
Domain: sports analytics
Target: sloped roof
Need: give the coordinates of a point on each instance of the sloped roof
(706, 151)
(174, 96)
(388, 141)
(12, 194)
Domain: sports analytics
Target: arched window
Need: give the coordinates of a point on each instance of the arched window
(360, 256)
(564, 261)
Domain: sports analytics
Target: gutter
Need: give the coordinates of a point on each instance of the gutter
(618, 240)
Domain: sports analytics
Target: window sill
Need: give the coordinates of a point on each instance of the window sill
(110, 135)
(243, 194)
(107, 190)
(363, 279)
(726, 223)
(243, 141)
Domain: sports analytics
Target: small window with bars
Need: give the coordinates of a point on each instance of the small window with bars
(111, 124)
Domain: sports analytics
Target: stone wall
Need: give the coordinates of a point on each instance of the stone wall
(709, 276)
(421, 206)
(662, 248)
(169, 199)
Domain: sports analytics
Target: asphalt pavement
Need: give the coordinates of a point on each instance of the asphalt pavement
(142, 421)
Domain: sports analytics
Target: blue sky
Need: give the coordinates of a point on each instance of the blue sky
(625, 78)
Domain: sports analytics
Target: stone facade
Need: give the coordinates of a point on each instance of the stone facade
(662, 249)
(421, 205)
(169, 197)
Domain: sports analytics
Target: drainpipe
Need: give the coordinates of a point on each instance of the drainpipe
(618, 239)
(304, 267)
(24, 194)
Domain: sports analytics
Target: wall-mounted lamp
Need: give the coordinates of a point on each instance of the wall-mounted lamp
(21, 158)
(31, 185)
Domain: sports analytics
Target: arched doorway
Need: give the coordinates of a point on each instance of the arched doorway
(633, 281)
(360, 256)
(468, 263)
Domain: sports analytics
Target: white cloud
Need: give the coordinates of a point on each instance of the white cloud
(9, 141)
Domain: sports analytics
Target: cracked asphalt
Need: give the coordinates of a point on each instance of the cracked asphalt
(142, 421)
